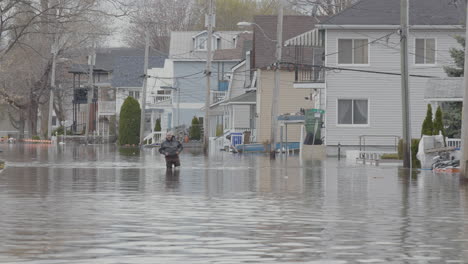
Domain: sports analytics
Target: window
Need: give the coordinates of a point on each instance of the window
(200, 43)
(164, 92)
(353, 112)
(353, 51)
(134, 94)
(424, 51)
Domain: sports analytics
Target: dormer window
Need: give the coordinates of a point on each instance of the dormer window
(200, 41)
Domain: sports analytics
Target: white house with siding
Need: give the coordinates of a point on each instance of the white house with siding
(362, 50)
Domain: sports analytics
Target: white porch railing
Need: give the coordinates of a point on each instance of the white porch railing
(165, 99)
(453, 142)
(155, 137)
(106, 107)
(217, 96)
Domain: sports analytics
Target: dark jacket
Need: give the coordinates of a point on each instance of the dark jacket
(171, 147)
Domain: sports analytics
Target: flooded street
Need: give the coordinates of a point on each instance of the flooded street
(99, 204)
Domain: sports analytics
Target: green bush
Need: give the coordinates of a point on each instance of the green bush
(36, 137)
(438, 122)
(60, 131)
(428, 126)
(390, 156)
(414, 150)
(195, 129)
(157, 126)
(129, 122)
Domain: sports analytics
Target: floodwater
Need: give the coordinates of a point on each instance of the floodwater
(96, 204)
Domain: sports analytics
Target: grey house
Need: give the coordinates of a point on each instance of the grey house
(118, 74)
(365, 37)
(188, 52)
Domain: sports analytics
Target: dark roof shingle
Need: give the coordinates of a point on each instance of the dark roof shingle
(387, 12)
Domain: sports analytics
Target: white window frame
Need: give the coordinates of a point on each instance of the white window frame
(435, 52)
(214, 43)
(352, 49)
(352, 115)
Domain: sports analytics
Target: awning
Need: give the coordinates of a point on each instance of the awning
(313, 38)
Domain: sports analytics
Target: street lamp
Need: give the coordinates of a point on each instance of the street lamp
(275, 95)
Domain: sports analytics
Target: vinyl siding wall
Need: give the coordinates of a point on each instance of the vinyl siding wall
(291, 101)
(382, 91)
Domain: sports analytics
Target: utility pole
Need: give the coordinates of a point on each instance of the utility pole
(54, 50)
(464, 159)
(90, 93)
(276, 88)
(209, 41)
(404, 31)
(145, 83)
(52, 88)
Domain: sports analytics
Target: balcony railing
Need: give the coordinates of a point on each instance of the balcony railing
(309, 74)
(106, 107)
(160, 100)
(217, 96)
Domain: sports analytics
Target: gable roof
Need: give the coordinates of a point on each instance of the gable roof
(128, 70)
(182, 46)
(244, 43)
(387, 12)
(264, 49)
(126, 65)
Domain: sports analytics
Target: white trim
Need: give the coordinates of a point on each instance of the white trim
(309, 85)
(352, 115)
(325, 26)
(443, 99)
(352, 50)
(423, 65)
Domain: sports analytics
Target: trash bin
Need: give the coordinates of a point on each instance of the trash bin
(247, 135)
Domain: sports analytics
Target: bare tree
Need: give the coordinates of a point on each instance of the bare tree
(161, 17)
(321, 7)
(32, 32)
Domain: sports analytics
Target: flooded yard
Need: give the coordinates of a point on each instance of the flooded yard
(99, 204)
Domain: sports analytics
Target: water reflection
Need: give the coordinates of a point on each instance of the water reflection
(89, 204)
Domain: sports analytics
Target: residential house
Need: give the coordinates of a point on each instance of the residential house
(188, 53)
(162, 96)
(362, 54)
(117, 74)
(234, 111)
(291, 99)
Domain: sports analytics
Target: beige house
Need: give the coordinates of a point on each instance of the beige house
(291, 99)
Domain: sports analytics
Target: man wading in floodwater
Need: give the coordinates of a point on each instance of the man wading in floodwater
(171, 148)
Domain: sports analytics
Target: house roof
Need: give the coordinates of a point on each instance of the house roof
(244, 43)
(182, 45)
(387, 12)
(444, 89)
(264, 49)
(126, 65)
(248, 97)
(128, 70)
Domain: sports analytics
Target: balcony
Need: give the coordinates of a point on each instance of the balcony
(160, 100)
(217, 96)
(308, 77)
(106, 107)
